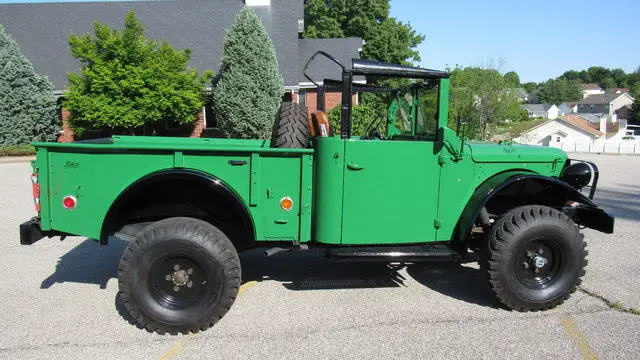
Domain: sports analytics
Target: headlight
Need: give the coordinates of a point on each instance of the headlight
(577, 175)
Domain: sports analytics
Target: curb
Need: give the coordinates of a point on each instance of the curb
(16, 159)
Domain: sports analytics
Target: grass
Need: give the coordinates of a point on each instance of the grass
(514, 129)
(614, 305)
(17, 150)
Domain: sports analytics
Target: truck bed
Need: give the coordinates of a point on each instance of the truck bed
(98, 172)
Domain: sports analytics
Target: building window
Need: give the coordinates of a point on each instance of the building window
(302, 97)
(557, 138)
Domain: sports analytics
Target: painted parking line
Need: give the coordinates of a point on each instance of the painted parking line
(179, 346)
(578, 337)
(246, 286)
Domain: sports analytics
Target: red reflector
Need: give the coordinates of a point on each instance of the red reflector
(69, 202)
(35, 189)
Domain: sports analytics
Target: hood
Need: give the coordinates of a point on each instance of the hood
(491, 152)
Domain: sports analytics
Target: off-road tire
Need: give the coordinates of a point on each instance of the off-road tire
(165, 252)
(555, 236)
(291, 128)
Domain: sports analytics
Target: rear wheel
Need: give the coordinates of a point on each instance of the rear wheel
(180, 275)
(291, 128)
(535, 258)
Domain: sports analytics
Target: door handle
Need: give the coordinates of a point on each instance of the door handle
(237, 162)
(354, 167)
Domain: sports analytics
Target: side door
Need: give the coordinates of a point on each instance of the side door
(390, 193)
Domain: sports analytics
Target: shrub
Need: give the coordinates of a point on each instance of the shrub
(128, 81)
(362, 120)
(17, 150)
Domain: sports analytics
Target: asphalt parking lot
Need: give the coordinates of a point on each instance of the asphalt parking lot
(59, 299)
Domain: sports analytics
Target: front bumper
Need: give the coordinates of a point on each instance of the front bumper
(30, 232)
(591, 217)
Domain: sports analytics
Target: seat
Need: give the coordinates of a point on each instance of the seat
(320, 123)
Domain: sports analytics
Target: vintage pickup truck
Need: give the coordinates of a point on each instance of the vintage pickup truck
(419, 193)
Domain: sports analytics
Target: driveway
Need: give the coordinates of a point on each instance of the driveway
(60, 299)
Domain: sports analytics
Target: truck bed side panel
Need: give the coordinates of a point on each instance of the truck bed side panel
(97, 176)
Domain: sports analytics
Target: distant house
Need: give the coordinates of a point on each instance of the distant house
(568, 129)
(617, 91)
(545, 111)
(606, 104)
(567, 108)
(520, 94)
(591, 89)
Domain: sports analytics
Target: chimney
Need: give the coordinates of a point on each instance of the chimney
(257, 2)
(603, 124)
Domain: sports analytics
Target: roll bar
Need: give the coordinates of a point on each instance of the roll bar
(365, 67)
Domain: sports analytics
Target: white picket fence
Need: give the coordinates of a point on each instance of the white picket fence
(608, 147)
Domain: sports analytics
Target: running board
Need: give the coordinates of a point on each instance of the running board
(409, 253)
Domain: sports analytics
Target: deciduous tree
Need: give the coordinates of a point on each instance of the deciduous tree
(560, 90)
(479, 98)
(386, 38)
(512, 79)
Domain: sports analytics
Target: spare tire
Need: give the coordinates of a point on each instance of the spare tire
(291, 128)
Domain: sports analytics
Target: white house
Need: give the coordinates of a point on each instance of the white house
(545, 111)
(563, 131)
(568, 108)
(591, 89)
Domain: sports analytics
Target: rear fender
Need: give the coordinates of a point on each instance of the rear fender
(206, 185)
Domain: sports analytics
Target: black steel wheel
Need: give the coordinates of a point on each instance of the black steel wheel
(534, 258)
(180, 275)
(539, 263)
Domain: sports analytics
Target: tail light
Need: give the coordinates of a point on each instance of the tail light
(35, 187)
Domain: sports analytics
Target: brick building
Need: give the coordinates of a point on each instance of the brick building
(42, 30)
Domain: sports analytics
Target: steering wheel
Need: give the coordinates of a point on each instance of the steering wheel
(372, 130)
(375, 134)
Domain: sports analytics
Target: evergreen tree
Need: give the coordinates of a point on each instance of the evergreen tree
(27, 105)
(249, 88)
(128, 81)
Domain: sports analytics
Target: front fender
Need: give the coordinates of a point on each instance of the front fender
(508, 190)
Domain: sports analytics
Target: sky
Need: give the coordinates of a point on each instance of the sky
(537, 39)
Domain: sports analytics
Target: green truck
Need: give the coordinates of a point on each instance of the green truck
(418, 193)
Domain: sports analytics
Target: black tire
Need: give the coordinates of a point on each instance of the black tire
(534, 258)
(186, 254)
(291, 128)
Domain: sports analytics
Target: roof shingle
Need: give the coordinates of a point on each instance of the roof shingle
(581, 123)
(591, 87)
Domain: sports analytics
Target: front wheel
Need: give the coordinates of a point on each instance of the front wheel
(535, 258)
(180, 275)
